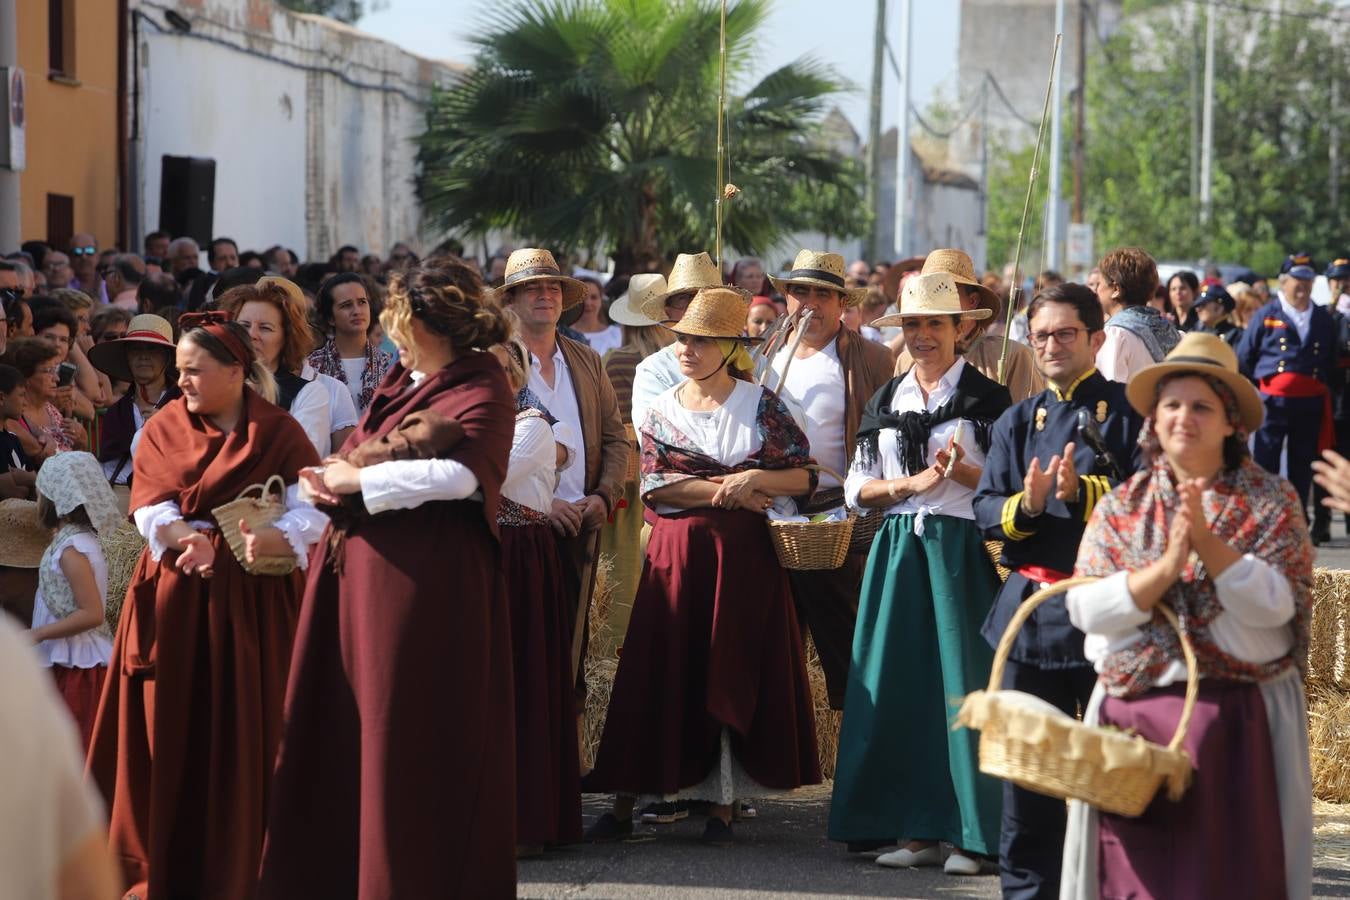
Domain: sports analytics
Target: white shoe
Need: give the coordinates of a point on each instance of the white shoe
(905, 858)
(960, 864)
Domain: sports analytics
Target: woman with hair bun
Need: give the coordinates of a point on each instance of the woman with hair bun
(191, 711)
(385, 784)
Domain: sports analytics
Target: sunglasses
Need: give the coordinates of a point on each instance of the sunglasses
(83, 251)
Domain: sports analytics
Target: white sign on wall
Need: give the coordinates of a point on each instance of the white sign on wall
(1080, 244)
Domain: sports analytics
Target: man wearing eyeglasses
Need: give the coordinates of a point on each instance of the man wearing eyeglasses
(10, 294)
(1042, 478)
(84, 265)
(56, 268)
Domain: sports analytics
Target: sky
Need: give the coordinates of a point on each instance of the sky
(842, 38)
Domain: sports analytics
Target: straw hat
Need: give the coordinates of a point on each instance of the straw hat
(642, 289)
(536, 264)
(820, 270)
(691, 272)
(1201, 354)
(110, 357)
(717, 312)
(959, 265)
(934, 294)
(25, 540)
(890, 284)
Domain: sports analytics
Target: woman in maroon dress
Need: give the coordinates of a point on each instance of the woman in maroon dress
(190, 718)
(396, 775)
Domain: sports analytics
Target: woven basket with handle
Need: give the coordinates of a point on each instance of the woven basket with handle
(813, 545)
(259, 512)
(1060, 756)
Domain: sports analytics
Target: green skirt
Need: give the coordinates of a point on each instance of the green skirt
(917, 651)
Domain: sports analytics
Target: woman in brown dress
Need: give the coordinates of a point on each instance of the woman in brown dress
(190, 719)
(397, 773)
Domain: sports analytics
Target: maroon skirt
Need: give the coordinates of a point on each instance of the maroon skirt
(81, 689)
(1223, 838)
(712, 644)
(548, 777)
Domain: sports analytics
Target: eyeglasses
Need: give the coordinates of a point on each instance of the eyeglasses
(1063, 336)
(83, 251)
(47, 370)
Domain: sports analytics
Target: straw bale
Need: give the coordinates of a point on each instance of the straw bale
(1329, 742)
(121, 549)
(1329, 630)
(827, 720)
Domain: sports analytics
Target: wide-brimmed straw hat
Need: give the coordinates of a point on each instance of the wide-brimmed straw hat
(890, 282)
(1199, 354)
(958, 264)
(934, 294)
(110, 357)
(717, 313)
(691, 272)
(812, 267)
(537, 264)
(642, 289)
(25, 540)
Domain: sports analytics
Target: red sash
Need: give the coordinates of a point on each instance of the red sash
(1041, 575)
(1292, 384)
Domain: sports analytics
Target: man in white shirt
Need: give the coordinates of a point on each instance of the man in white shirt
(570, 381)
(830, 376)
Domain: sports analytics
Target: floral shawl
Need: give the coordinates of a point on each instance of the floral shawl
(1254, 512)
(327, 361)
(669, 456)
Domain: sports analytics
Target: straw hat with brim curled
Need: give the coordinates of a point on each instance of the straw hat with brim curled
(818, 269)
(1198, 354)
(959, 265)
(535, 264)
(717, 313)
(25, 540)
(691, 272)
(642, 289)
(931, 295)
(145, 330)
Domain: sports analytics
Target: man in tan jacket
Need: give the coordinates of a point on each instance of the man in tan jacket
(831, 375)
(982, 350)
(570, 381)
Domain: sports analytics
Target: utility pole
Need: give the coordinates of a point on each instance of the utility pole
(1207, 125)
(1334, 149)
(874, 137)
(1053, 231)
(10, 211)
(1079, 113)
(902, 152)
(1195, 107)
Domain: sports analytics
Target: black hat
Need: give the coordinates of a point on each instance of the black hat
(1339, 269)
(1215, 293)
(1300, 266)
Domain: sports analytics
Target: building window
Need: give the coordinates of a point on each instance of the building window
(60, 219)
(61, 38)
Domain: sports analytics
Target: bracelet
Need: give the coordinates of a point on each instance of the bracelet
(890, 489)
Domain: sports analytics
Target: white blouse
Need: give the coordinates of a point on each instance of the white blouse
(302, 524)
(949, 498)
(1255, 626)
(727, 434)
(87, 649)
(532, 475)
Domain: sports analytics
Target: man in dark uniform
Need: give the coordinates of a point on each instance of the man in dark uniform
(1212, 310)
(1290, 350)
(1338, 281)
(1042, 478)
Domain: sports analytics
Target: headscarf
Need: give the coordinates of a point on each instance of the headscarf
(736, 354)
(75, 479)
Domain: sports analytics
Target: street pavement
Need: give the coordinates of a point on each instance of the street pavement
(784, 853)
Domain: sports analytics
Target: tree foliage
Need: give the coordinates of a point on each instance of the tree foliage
(592, 124)
(1273, 108)
(348, 11)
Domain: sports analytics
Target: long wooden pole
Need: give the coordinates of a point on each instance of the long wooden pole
(721, 140)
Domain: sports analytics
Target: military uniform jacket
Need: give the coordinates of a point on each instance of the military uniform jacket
(1271, 345)
(1039, 427)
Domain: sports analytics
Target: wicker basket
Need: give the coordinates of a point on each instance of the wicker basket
(634, 454)
(995, 551)
(259, 512)
(1063, 758)
(808, 546)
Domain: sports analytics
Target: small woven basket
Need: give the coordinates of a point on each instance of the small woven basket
(634, 453)
(1064, 758)
(806, 546)
(259, 512)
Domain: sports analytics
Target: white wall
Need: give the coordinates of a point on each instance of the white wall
(200, 101)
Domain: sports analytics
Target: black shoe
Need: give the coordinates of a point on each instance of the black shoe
(717, 833)
(869, 846)
(608, 829)
(1321, 534)
(664, 813)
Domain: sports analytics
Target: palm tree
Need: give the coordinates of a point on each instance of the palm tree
(592, 124)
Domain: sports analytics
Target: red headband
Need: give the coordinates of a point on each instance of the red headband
(213, 323)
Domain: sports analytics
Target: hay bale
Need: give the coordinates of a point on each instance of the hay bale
(827, 720)
(122, 550)
(1329, 741)
(1329, 629)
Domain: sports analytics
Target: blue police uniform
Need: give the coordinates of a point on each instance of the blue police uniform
(1269, 352)
(1047, 657)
